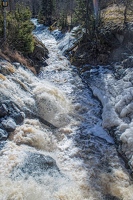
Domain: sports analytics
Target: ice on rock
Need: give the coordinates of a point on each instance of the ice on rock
(117, 102)
(110, 117)
(126, 110)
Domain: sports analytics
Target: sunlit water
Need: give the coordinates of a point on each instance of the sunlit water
(85, 154)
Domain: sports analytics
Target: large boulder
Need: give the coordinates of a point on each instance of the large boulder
(36, 165)
(40, 52)
(39, 55)
(9, 124)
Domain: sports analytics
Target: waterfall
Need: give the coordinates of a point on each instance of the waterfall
(75, 161)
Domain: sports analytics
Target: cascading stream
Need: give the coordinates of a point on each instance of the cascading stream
(90, 137)
(76, 161)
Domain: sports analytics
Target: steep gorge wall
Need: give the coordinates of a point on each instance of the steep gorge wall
(112, 39)
(117, 27)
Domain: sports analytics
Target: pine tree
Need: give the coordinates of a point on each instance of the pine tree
(19, 29)
(1, 22)
(80, 12)
(47, 7)
(84, 15)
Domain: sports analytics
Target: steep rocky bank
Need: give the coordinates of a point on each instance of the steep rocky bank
(112, 41)
(34, 61)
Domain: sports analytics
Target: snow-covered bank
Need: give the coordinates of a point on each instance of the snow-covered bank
(115, 91)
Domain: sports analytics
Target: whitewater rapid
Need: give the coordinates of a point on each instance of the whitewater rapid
(81, 156)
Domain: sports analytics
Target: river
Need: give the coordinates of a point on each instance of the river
(77, 160)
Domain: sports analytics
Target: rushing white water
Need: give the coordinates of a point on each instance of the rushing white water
(88, 163)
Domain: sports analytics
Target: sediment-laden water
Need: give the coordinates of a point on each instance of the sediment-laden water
(78, 159)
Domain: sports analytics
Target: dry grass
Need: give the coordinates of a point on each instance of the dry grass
(2, 55)
(14, 56)
(113, 14)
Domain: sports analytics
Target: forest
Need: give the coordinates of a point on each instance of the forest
(106, 24)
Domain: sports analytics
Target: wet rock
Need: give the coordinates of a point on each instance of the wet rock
(9, 124)
(40, 52)
(102, 58)
(110, 197)
(85, 68)
(19, 117)
(3, 135)
(11, 109)
(128, 62)
(39, 55)
(3, 110)
(117, 54)
(36, 165)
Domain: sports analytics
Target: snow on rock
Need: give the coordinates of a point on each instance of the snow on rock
(116, 96)
(110, 118)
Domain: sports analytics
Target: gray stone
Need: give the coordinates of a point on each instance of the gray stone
(19, 117)
(40, 52)
(3, 110)
(9, 124)
(128, 63)
(3, 135)
(35, 165)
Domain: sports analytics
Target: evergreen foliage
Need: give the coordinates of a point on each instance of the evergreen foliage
(1, 21)
(80, 12)
(19, 29)
(84, 15)
(64, 14)
(46, 10)
(62, 20)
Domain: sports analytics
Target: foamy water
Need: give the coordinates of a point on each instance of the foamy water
(88, 163)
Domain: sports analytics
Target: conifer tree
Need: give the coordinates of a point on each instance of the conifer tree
(1, 22)
(46, 10)
(84, 15)
(80, 12)
(19, 29)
